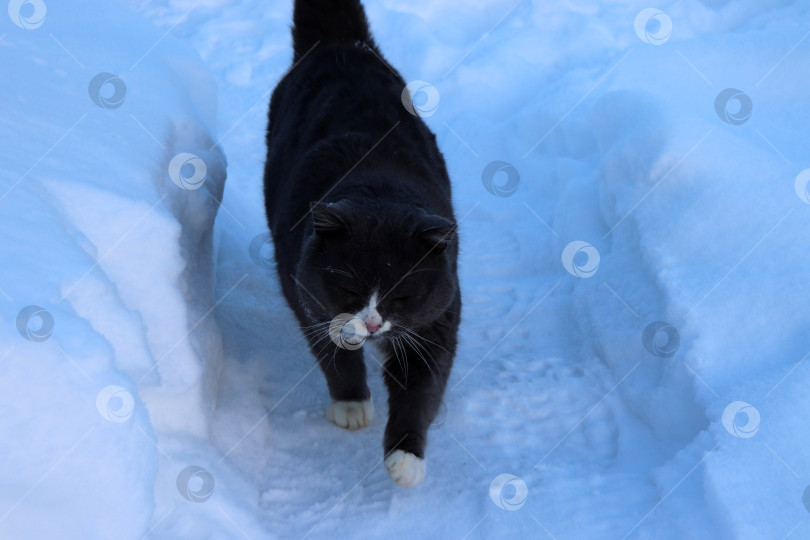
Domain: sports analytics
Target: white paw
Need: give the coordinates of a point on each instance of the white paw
(351, 414)
(405, 469)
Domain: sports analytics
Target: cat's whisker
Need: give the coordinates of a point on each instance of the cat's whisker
(427, 351)
(316, 325)
(307, 332)
(416, 346)
(315, 341)
(394, 352)
(352, 271)
(402, 366)
(418, 339)
(404, 356)
(417, 335)
(315, 331)
(333, 361)
(336, 271)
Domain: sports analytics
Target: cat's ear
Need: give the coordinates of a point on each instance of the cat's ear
(328, 217)
(437, 231)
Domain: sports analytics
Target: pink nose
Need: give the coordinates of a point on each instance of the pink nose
(372, 326)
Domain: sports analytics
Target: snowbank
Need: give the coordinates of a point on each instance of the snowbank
(717, 222)
(699, 223)
(120, 356)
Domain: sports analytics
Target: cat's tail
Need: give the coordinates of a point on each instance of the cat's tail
(328, 21)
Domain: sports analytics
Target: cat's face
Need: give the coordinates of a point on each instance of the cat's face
(392, 270)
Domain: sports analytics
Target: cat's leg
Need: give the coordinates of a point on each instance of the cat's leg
(416, 375)
(345, 372)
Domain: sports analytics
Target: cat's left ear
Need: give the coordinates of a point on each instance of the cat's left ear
(437, 230)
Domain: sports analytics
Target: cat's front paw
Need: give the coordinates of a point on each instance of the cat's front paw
(351, 414)
(405, 469)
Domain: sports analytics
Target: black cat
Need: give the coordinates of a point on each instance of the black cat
(358, 200)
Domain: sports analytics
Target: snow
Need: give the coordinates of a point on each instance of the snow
(633, 353)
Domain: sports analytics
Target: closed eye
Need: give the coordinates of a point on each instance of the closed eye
(400, 300)
(349, 292)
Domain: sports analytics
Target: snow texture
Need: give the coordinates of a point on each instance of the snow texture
(631, 183)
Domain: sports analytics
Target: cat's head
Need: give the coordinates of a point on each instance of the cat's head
(391, 266)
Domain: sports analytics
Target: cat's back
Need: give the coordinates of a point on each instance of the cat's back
(339, 109)
(334, 91)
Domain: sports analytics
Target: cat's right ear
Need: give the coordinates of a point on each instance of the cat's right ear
(327, 217)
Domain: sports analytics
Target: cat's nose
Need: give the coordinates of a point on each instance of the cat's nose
(371, 326)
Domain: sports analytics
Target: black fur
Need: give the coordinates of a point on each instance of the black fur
(328, 21)
(358, 199)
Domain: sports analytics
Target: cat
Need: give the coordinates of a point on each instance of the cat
(358, 201)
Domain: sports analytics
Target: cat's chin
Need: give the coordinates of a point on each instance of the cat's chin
(405, 469)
